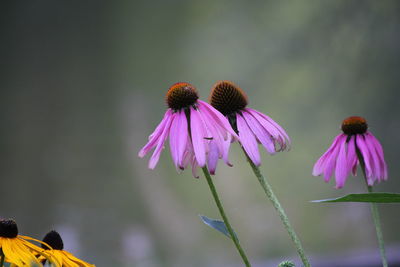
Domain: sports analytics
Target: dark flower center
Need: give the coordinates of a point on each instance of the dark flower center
(53, 239)
(181, 95)
(227, 98)
(354, 125)
(8, 228)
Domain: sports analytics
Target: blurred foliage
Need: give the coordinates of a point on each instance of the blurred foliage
(83, 85)
(286, 264)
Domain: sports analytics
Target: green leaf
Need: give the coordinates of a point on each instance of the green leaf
(367, 197)
(216, 224)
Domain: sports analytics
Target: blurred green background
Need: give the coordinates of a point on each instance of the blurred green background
(83, 85)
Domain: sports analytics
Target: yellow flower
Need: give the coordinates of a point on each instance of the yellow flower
(66, 259)
(16, 249)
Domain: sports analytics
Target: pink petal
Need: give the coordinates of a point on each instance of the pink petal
(160, 145)
(354, 170)
(178, 136)
(342, 170)
(319, 166)
(218, 117)
(174, 138)
(351, 155)
(213, 157)
(189, 158)
(331, 160)
(379, 151)
(217, 133)
(153, 138)
(194, 167)
(184, 136)
(248, 140)
(271, 121)
(198, 133)
(262, 135)
(377, 172)
(225, 154)
(188, 155)
(362, 146)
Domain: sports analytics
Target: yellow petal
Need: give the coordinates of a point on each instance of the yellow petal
(23, 250)
(34, 239)
(9, 253)
(17, 253)
(79, 262)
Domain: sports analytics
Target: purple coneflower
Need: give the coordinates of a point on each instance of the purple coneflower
(198, 134)
(344, 154)
(252, 126)
(255, 128)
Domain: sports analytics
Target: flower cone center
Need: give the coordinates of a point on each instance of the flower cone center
(227, 98)
(354, 125)
(181, 95)
(8, 228)
(54, 240)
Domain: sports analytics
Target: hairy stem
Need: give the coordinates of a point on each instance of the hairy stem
(285, 220)
(224, 217)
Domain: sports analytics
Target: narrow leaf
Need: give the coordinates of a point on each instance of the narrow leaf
(216, 224)
(367, 197)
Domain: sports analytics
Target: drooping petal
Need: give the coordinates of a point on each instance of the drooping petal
(154, 137)
(56, 254)
(198, 133)
(218, 117)
(225, 154)
(331, 159)
(354, 170)
(9, 253)
(57, 257)
(160, 143)
(277, 132)
(319, 166)
(351, 155)
(178, 136)
(221, 137)
(194, 167)
(376, 165)
(75, 260)
(248, 140)
(379, 151)
(342, 170)
(25, 241)
(259, 131)
(216, 132)
(220, 131)
(190, 158)
(362, 146)
(174, 139)
(23, 253)
(213, 156)
(188, 154)
(16, 252)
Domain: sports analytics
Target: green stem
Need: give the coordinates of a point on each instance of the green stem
(378, 228)
(285, 220)
(1, 258)
(375, 213)
(225, 219)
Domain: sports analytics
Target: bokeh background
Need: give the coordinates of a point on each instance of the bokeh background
(83, 85)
